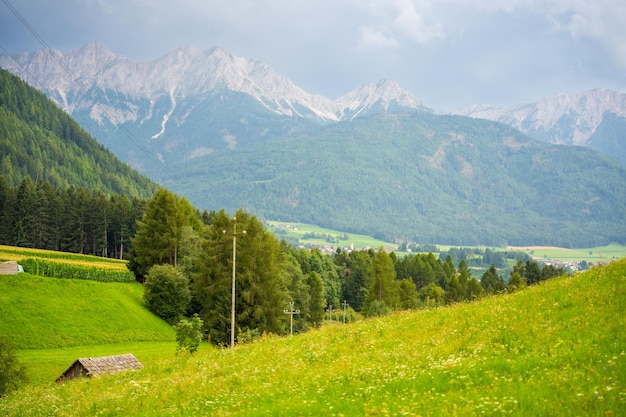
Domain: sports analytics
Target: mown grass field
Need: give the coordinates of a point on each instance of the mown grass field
(41, 313)
(53, 321)
(556, 349)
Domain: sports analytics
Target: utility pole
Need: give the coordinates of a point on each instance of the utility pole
(232, 312)
(344, 304)
(330, 309)
(291, 312)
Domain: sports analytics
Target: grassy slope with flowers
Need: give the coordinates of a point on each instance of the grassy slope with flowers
(558, 348)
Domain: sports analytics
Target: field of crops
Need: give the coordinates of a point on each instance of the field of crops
(67, 265)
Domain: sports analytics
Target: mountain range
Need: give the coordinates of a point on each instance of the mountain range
(595, 118)
(229, 132)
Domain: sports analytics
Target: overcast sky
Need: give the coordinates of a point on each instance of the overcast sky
(448, 53)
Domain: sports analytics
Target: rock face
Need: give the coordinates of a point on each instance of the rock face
(565, 119)
(169, 99)
(185, 73)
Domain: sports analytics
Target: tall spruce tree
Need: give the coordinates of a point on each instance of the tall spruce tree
(160, 232)
(261, 286)
(384, 290)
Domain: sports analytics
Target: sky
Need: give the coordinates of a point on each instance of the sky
(448, 53)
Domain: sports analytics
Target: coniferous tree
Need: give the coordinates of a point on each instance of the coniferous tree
(383, 292)
(464, 277)
(315, 313)
(299, 290)
(26, 201)
(40, 220)
(449, 271)
(491, 281)
(532, 272)
(515, 282)
(408, 294)
(4, 196)
(356, 271)
(160, 232)
(474, 289)
(8, 226)
(261, 286)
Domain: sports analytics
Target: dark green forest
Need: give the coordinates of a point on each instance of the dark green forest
(72, 219)
(40, 141)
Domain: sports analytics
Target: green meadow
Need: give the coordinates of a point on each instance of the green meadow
(555, 349)
(600, 254)
(299, 230)
(48, 313)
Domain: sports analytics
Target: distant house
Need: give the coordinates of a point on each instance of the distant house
(98, 366)
(9, 268)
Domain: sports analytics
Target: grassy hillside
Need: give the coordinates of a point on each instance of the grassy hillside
(558, 348)
(37, 312)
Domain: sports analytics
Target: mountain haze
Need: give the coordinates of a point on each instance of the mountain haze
(227, 132)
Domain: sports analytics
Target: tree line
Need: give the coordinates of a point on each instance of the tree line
(73, 219)
(186, 260)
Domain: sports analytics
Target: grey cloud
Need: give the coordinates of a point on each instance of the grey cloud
(449, 53)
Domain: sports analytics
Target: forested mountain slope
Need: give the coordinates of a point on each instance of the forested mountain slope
(39, 140)
(422, 177)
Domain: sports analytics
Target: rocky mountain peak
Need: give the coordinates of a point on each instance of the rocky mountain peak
(382, 94)
(560, 118)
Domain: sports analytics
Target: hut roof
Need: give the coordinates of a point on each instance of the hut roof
(101, 365)
(9, 268)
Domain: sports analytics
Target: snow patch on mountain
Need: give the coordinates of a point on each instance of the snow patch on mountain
(167, 115)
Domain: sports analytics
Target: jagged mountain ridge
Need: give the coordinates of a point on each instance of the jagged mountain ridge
(564, 119)
(187, 72)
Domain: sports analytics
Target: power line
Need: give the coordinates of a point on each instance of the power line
(76, 79)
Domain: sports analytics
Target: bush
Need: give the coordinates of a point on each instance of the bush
(189, 334)
(12, 373)
(166, 292)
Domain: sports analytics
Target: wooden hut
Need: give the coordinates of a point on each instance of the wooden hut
(98, 366)
(9, 268)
